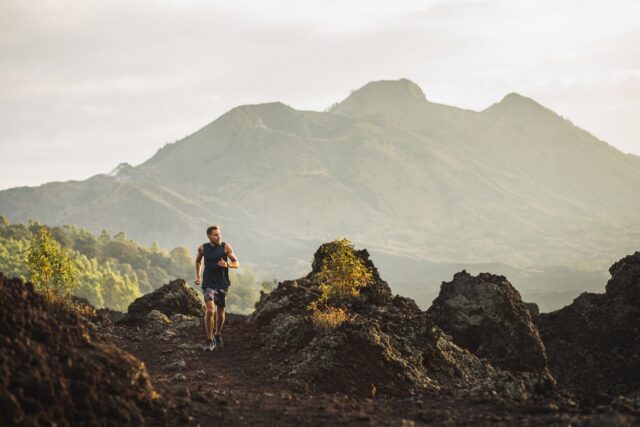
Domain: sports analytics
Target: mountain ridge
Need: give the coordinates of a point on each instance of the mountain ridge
(408, 178)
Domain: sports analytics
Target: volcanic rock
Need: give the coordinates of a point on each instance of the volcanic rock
(156, 318)
(173, 298)
(486, 315)
(108, 316)
(387, 346)
(533, 308)
(593, 344)
(625, 280)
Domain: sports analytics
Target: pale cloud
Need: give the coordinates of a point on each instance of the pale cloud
(87, 85)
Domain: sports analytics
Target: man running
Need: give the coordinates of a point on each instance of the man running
(215, 282)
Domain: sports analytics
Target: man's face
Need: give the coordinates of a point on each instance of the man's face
(215, 237)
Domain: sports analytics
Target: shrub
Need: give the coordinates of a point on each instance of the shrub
(51, 268)
(341, 274)
(84, 310)
(340, 277)
(268, 286)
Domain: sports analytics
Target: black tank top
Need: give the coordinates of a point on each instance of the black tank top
(215, 276)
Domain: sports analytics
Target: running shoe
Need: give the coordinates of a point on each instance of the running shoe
(219, 341)
(210, 346)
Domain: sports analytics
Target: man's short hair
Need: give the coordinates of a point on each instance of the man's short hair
(210, 229)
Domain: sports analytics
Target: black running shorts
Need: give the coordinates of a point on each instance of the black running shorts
(218, 296)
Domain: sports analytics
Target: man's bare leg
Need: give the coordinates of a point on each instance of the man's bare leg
(220, 319)
(209, 320)
(215, 315)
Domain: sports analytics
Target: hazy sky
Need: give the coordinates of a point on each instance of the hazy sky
(85, 85)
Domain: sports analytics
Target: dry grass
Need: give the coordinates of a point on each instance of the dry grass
(84, 311)
(328, 319)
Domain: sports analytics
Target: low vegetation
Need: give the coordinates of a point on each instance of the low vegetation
(51, 269)
(340, 277)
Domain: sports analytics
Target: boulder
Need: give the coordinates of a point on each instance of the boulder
(183, 322)
(178, 364)
(593, 344)
(625, 280)
(173, 298)
(486, 315)
(156, 319)
(102, 316)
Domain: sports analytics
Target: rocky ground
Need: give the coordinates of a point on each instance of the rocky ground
(393, 364)
(234, 386)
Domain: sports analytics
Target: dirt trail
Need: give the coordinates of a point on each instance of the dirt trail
(230, 386)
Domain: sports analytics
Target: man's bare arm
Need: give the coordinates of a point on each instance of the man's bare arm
(199, 263)
(232, 256)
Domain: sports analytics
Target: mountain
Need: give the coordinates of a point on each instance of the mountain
(515, 183)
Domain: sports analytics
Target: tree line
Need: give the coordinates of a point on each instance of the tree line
(109, 271)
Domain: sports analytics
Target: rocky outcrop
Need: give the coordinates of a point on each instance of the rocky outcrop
(593, 344)
(101, 316)
(533, 308)
(108, 316)
(486, 315)
(388, 346)
(56, 369)
(173, 298)
(624, 285)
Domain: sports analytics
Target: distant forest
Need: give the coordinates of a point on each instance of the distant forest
(115, 270)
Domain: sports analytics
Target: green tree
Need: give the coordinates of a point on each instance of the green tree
(182, 265)
(243, 292)
(61, 237)
(104, 236)
(51, 268)
(12, 255)
(127, 251)
(268, 285)
(118, 291)
(120, 236)
(83, 241)
(89, 283)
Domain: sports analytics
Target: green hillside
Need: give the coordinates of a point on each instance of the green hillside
(114, 270)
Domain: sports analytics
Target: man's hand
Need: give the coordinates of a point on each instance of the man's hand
(198, 281)
(222, 263)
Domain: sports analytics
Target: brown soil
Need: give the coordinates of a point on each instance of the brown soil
(238, 390)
